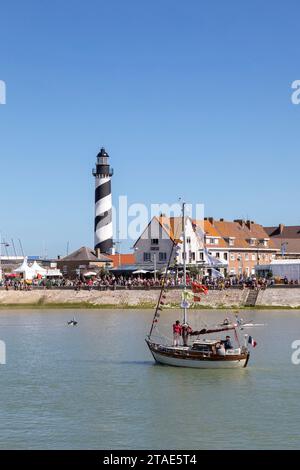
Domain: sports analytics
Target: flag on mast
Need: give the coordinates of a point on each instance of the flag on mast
(252, 341)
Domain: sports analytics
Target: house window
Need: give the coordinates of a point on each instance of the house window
(147, 256)
(246, 257)
(193, 256)
(232, 257)
(201, 256)
(217, 255)
(162, 256)
(254, 257)
(188, 239)
(154, 241)
(225, 256)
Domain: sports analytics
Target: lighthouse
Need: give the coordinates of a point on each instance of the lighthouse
(103, 230)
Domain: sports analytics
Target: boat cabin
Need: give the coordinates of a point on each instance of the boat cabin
(205, 345)
(213, 346)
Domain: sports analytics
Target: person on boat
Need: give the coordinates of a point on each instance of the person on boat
(177, 330)
(220, 350)
(186, 330)
(227, 343)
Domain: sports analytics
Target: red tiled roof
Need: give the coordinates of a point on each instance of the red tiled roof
(122, 259)
(285, 234)
(242, 233)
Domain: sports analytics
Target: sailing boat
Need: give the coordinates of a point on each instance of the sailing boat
(204, 352)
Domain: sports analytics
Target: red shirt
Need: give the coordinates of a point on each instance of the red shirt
(177, 328)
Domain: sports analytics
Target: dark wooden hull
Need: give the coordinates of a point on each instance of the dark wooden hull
(186, 357)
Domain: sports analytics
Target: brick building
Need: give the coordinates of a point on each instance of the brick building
(242, 244)
(286, 238)
(238, 245)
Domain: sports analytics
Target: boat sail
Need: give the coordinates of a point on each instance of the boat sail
(203, 352)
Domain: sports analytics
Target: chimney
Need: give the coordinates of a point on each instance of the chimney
(211, 220)
(248, 224)
(281, 227)
(221, 220)
(240, 221)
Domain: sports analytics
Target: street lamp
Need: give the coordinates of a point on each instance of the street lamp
(154, 265)
(6, 245)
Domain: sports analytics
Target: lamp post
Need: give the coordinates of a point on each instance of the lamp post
(154, 265)
(117, 244)
(6, 245)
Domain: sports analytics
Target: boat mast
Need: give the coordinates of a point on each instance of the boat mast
(184, 263)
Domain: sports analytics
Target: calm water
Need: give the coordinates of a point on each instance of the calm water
(95, 386)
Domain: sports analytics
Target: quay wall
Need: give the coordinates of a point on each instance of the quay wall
(279, 297)
(229, 298)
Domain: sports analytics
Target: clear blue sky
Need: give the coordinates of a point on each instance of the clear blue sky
(189, 98)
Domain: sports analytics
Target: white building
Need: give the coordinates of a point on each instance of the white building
(154, 246)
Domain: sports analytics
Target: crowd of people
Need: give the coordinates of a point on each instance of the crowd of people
(108, 281)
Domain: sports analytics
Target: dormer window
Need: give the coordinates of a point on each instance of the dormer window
(212, 241)
(231, 241)
(264, 242)
(252, 241)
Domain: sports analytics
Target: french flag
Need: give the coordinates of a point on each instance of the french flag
(252, 341)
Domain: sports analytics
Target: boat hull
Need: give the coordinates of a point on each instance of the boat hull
(183, 358)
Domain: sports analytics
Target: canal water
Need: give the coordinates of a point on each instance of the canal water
(95, 386)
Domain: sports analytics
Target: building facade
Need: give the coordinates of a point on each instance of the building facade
(286, 238)
(242, 244)
(236, 246)
(163, 236)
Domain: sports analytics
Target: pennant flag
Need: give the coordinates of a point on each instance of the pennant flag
(252, 341)
(186, 295)
(197, 288)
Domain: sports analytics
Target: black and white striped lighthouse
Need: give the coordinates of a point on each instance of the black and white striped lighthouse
(103, 204)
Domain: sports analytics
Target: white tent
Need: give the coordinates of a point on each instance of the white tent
(289, 268)
(26, 270)
(38, 269)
